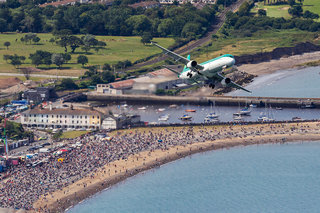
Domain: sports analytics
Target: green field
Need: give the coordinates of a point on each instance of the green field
(73, 134)
(273, 10)
(262, 41)
(117, 49)
(312, 6)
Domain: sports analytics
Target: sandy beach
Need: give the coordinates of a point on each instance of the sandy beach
(272, 66)
(119, 170)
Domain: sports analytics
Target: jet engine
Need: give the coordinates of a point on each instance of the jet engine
(225, 81)
(192, 64)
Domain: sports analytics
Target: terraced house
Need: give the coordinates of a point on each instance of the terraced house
(63, 118)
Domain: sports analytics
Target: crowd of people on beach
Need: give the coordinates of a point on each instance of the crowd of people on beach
(24, 185)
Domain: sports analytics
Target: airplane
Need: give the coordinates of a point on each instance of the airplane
(210, 71)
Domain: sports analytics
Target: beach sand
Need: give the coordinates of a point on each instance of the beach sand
(120, 170)
(272, 66)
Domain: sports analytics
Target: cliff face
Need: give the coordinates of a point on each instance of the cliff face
(277, 53)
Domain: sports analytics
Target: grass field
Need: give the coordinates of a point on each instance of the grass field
(273, 10)
(117, 49)
(73, 134)
(312, 6)
(263, 41)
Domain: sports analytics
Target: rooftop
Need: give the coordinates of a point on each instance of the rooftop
(62, 111)
(122, 84)
(145, 4)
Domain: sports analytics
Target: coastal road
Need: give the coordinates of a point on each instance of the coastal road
(220, 19)
(37, 75)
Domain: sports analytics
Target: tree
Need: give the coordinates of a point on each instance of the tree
(262, 12)
(36, 59)
(82, 59)
(57, 59)
(106, 67)
(7, 44)
(6, 57)
(67, 84)
(291, 2)
(36, 39)
(74, 42)
(295, 11)
(26, 72)
(66, 57)
(108, 77)
(146, 38)
(3, 25)
(15, 60)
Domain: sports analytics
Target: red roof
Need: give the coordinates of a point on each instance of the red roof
(162, 72)
(122, 84)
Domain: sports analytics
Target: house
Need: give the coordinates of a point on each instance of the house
(39, 94)
(63, 3)
(119, 121)
(145, 4)
(62, 118)
(187, 1)
(116, 88)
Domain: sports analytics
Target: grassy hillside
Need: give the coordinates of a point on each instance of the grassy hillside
(117, 49)
(263, 41)
(273, 10)
(312, 6)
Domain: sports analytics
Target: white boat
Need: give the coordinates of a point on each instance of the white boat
(173, 106)
(245, 111)
(278, 108)
(212, 115)
(211, 120)
(142, 108)
(163, 118)
(186, 118)
(161, 109)
(253, 105)
(238, 118)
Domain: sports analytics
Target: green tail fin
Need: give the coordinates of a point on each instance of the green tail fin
(185, 67)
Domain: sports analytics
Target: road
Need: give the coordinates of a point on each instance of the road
(37, 75)
(191, 46)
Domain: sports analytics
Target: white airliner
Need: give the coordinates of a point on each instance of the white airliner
(209, 71)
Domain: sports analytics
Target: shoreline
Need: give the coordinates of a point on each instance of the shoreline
(283, 63)
(123, 169)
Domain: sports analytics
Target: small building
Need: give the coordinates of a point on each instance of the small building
(39, 94)
(147, 84)
(115, 88)
(120, 121)
(62, 118)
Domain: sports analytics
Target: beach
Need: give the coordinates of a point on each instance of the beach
(212, 137)
(269, 67)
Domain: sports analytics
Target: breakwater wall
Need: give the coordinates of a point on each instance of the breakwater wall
(277, 53)
(218, 100)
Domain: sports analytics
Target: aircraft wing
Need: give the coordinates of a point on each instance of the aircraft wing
(231, 84)
(177, 57)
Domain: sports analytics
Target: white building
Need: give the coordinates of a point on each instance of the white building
(120, 121)
(62, 118)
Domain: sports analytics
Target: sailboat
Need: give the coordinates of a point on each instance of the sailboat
(212, 117)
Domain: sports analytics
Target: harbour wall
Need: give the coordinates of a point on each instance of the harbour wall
(218, 100)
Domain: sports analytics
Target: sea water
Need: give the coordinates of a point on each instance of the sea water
(295, 83)
(256, 178)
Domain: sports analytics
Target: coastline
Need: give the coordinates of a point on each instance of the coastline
(120, 170)
(269, 67)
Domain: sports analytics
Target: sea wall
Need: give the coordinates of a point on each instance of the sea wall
(277, 53)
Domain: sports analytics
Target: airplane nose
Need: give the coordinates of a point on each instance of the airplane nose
(233, 61)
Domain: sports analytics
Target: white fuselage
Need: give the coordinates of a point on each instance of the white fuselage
(211, 68)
